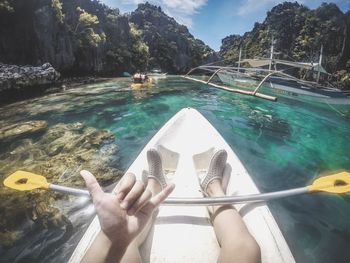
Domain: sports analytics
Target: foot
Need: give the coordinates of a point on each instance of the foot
(215, 172)
(214, 189)
(155, 169)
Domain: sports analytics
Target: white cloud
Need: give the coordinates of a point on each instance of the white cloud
(254, 6)
(249, 7)
(181, 10)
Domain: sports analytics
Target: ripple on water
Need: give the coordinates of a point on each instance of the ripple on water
(283, 145)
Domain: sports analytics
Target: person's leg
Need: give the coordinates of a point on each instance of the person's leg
(237, 244)
(132, 254)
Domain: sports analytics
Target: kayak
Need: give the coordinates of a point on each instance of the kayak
(184, 233)
(146, 84)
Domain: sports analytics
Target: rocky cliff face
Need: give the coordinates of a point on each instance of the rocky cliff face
(171, 46)
(299, 33)
(87, 37)
(32, 35)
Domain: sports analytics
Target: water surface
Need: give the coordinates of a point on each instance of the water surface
(283, 145)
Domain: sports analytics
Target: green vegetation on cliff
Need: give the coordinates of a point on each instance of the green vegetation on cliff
(299, 33)
(171, 47)
(87, 37)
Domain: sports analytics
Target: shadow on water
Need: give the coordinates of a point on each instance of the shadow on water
(283, 145)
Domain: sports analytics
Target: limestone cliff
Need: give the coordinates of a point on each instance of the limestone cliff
(86, 37)
(299, 33)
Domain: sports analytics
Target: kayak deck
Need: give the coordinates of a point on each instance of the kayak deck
(184, 233)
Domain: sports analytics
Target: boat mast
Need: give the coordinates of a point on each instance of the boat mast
(319, 64)
(239, 58)
(271, 54)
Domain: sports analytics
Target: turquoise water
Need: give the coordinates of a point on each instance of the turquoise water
(283, 145)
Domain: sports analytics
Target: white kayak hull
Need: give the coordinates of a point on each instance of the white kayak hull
(185, 234)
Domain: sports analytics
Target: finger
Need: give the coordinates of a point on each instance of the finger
(126, 184)
(159, 198)
(92, 184)
(134, 194)
(144, 198)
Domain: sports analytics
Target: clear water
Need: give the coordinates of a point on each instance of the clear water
(283, 145)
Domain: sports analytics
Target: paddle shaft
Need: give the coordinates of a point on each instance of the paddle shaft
(68, 190)
(200, 201)
(210, 201)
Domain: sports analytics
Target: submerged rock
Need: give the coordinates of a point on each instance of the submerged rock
(21, 129)
(15, 77)
(58, 154)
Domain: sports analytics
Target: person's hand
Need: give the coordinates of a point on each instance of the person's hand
(124, 213)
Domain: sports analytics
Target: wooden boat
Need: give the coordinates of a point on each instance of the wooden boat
(184, 233)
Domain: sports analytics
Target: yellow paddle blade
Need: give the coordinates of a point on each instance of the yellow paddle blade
(336, 183)
(24, 181)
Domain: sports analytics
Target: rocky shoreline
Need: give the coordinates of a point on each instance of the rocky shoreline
(17, 77)
(24, 82)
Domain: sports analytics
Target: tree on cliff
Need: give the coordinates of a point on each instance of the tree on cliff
(85, 32)
(171, 47)
(57, 8)
(299, 33)
(5, 6)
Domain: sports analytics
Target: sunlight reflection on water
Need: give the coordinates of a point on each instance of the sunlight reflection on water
(282, 145)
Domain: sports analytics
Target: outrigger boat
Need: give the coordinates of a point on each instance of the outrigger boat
(184, 233)
(278, 83)
(269, 76)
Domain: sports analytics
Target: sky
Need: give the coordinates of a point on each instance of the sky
(212, 20)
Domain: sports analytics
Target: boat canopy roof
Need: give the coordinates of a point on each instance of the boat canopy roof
(304, 65)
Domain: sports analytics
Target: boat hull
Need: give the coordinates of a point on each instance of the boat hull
(288, 88)
(185, 234)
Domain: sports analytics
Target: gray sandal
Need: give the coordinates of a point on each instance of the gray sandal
(215, 170)
(155, 169)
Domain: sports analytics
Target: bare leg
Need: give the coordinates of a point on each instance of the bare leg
(132, 254)
(237, 244)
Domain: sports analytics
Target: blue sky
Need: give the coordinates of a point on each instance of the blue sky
(212, 20)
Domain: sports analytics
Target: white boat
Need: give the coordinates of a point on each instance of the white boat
(184, 233)
(157, 73)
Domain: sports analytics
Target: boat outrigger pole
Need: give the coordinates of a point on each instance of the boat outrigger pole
(271, 53)
(319, 65)
(239, 59)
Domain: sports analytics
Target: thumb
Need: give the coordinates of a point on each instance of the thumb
(92, 185)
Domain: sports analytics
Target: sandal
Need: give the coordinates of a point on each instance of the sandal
(155, 169)
(215, 170)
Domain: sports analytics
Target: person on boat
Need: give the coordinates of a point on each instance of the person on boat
(139, 77)
(127, 214)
